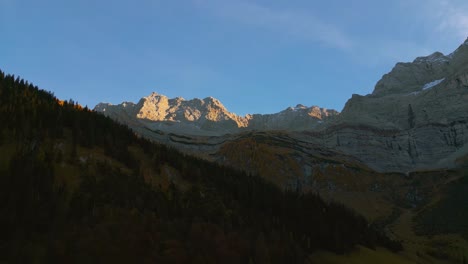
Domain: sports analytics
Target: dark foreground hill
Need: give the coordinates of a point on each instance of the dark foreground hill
(76, 187)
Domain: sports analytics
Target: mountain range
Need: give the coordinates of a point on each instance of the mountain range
(209, 116)
(416, 118)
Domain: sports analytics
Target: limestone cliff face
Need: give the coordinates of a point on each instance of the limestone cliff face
(427, 147)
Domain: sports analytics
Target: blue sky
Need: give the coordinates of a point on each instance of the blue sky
(254, 56)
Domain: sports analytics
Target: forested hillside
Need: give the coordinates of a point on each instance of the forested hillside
(76, 187)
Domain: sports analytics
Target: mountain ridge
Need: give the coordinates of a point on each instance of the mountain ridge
(209, 115)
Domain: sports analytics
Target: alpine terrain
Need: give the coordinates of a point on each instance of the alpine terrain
(398, 155)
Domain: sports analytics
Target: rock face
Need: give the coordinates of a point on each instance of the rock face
(416, 118)
(292, 118)
(431, 89)
(208, 116)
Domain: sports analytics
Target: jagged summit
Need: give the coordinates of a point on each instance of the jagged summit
(208, 116)
(410, 77)
(436, 57)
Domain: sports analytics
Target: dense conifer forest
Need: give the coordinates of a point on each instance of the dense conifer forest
(77, 187)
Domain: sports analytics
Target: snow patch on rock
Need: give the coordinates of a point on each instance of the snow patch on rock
(413, 93)
(428, 86)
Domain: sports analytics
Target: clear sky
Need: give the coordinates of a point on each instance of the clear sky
(255, 56)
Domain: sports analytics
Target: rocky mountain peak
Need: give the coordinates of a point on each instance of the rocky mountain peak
(436, 57)
(213, 103)
(423, 82)
(410, 77)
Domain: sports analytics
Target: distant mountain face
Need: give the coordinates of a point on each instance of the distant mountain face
(209, 116)
(416, 118)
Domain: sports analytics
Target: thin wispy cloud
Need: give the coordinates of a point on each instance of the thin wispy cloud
(287, 22)
(452, 17)
(388, 51)
(306, 26)
(435, 25)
